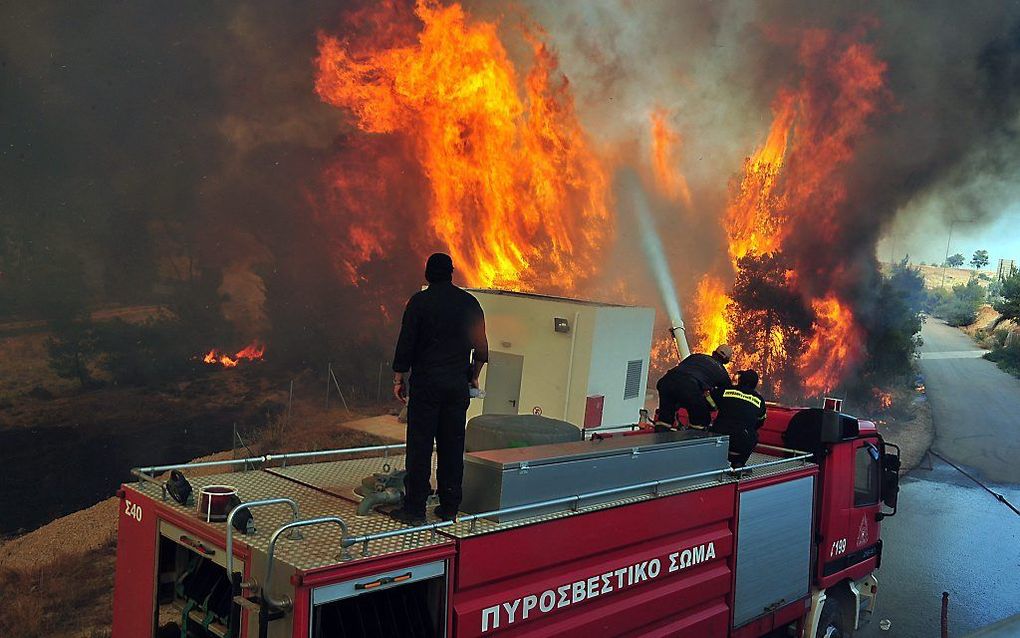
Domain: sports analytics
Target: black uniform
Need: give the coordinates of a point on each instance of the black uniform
(442, 325)
(741, 413)
(685, 385)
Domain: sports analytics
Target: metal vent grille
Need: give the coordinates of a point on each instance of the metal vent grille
(632, 387)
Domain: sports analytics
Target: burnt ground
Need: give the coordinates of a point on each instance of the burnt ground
(69, 563)
(63, 448)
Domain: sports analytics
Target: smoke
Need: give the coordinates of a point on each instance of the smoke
(140, 136)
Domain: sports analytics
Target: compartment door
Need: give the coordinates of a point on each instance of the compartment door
(773, 548)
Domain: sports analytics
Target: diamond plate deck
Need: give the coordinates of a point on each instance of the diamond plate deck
(327, 489)
(320, 546)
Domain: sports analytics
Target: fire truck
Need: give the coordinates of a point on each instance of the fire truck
(622, 532)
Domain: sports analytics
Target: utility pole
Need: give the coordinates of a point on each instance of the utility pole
(949, 239)
(946, 260)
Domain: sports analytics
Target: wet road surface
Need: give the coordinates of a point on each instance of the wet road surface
(949, 534)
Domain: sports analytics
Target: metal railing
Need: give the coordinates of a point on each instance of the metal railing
(285, 602)
(250, 505)
(575, 500)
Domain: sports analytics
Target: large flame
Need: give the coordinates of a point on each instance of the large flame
(518, 197)
(835, 344)
(665, 150)
(710, 302)
(794, 183)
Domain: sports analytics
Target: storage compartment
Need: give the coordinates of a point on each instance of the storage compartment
(193, 589)
(773, 547)
(405, 603)
(500, 479)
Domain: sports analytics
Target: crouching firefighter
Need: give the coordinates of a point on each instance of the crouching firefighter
(685, 386)
(741, 413)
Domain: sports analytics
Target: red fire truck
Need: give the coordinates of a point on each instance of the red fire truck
(634, 534)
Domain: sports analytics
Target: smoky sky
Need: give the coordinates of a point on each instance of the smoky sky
(125, 125)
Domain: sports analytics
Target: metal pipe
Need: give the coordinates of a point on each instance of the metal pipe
(683, 349)
(264, 459)
(285, 602)
(570, 366)
(149, 479)
(248, 506)
(781, 449)
(354, 540)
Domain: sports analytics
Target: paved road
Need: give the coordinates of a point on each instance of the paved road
(949, 534)
(976, 405)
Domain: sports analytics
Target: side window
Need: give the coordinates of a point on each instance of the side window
(866, 475)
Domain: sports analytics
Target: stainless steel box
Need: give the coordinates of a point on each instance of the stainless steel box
(499, 479)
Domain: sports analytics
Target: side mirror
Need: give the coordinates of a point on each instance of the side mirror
(890, 483)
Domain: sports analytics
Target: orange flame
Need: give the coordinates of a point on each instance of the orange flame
(884, 399)
(252, 352)
(836, 343)
(517, 195)
(794, 182)
(710, 301)
(752, 220)
(665, 148)
(663, 355)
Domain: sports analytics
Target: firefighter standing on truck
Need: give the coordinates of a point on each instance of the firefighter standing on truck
(686, 384)
(741, 413)
(442, 326)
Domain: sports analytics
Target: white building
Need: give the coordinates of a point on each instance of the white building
(579, 361)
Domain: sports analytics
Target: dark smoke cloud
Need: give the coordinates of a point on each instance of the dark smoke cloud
(132, 129)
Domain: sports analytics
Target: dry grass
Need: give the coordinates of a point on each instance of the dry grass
(312, 428)
(70, 596)
(933, 276)
(24, 365)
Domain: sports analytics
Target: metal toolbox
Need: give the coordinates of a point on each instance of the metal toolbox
(498, 479)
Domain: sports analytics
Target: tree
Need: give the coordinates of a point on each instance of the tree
(771, 323)
(1009, 304)
(954, 261)
(892, 327)
(980, 259)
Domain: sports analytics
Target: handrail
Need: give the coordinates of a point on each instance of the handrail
(249, 505)
(285, 602)
(349, 541)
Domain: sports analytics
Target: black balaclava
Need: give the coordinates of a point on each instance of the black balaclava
(439, 268)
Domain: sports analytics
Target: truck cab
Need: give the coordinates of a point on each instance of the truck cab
(858, 480)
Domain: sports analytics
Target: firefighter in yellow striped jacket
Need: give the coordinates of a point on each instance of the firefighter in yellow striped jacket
(741, 413)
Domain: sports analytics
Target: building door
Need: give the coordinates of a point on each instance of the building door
(503, 383)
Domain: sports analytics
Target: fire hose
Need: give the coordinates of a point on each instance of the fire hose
(999, 497)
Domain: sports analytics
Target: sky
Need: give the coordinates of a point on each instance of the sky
(924, 239)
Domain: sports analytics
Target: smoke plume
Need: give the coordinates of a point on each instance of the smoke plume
(145, 136)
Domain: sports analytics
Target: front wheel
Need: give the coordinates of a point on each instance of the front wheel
(834, 622)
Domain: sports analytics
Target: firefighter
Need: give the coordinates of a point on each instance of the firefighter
(686, 384)
(442, 344)
(741, 413)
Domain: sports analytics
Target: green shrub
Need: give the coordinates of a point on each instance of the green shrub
(959, 307)
(1007, 357)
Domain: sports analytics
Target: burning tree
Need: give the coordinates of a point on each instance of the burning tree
(769, 321)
